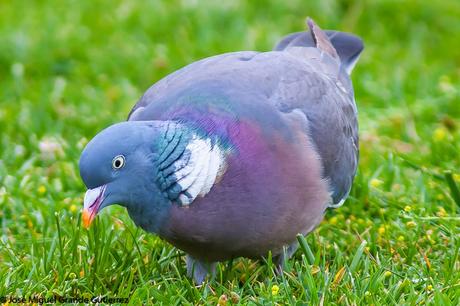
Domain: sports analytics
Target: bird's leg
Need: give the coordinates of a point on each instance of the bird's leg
(280, 259)
(199, 269)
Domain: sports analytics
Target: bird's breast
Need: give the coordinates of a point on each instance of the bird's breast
(271, 190)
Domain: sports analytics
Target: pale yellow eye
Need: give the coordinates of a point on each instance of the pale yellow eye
(118, 162)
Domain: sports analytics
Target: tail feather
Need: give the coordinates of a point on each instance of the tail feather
(347, 46)
(321, 40)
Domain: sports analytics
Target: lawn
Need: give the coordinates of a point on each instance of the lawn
(70, 68)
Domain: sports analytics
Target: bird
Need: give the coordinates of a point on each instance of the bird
(236, 154)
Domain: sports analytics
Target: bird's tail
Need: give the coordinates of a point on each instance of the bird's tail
(344, 46)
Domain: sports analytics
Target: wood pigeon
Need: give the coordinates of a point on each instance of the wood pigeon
(235, 154)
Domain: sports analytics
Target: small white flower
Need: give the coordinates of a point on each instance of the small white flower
(50, 148)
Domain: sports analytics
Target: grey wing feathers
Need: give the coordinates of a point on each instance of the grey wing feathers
(335, 134)
(328, 103)
(332, 126)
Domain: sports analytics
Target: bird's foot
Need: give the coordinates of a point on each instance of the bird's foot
(198, 270)
(280, 260)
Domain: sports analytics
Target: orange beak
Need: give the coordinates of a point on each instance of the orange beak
(92, 203)
(88, 218)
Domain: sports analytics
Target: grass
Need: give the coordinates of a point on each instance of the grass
(70, 68)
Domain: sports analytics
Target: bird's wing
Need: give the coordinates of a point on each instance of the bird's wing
(325, 95)
(332, 124)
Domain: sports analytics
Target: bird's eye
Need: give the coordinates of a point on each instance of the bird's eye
(118, 162)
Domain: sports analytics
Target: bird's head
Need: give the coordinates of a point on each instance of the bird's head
(117, 166)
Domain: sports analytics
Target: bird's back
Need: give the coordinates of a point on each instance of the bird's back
(262, 87)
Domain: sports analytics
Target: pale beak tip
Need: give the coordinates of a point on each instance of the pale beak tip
(91, 204)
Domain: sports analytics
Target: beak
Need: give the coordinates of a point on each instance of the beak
(92, 202)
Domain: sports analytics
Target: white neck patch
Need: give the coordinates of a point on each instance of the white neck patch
(205, 166)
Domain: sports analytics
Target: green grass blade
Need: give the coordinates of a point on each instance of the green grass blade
(455, 192)
(306, 249)
(358, 256)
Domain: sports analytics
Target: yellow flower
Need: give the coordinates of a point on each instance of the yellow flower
(441, 212)
(387, 273)
(401, 238)
(333, 220)
(429, 288)
(407, 208)
(411, 224)
(222, 300)
(376, 182)
(73, 208)
(456, 177)
(41, 189)
(381, 230)
(275, 290)
(439, 134)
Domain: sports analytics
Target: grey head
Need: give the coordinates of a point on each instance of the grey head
(118, 167)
